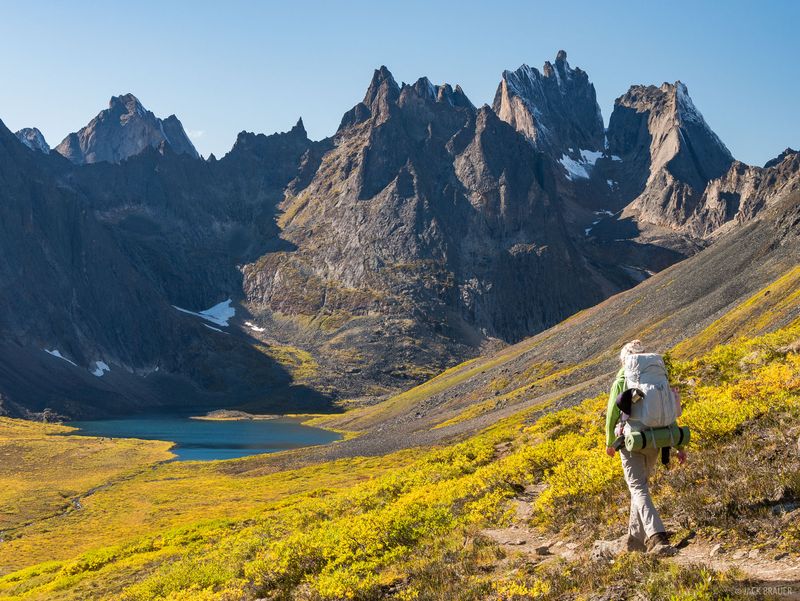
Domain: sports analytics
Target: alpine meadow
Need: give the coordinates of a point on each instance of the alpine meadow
(400, 360)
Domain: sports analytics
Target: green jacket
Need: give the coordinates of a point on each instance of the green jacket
(612, 413)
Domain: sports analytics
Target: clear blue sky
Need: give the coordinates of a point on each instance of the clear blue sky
(227, 66)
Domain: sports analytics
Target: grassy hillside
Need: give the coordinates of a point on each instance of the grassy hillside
(411, 524)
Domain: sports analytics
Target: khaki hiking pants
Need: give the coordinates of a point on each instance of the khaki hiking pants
(638, 465)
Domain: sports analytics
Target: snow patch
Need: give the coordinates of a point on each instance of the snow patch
(218, 314)
(638, 273)
(57, 353)
(580, 168)
(575, 170)
(615, 158)
(253, 326)
(591, 156)
(215, 329)
(610, 183)
(100, 367)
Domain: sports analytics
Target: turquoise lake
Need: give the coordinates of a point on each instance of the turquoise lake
(206, 440)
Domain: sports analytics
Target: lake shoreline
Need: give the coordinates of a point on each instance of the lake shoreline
(234, 415)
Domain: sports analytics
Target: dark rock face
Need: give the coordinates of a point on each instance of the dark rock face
(33, 139)
(556, 109)
(668, 153)
(124, 130)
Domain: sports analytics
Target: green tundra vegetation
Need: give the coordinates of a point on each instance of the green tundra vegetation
(408, 525)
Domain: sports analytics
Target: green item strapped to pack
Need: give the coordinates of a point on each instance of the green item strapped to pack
(669, 436)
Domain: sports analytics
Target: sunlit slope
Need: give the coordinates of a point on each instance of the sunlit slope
(413, 525)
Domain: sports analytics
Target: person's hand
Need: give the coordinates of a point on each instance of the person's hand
(610, 451)
(681, 456)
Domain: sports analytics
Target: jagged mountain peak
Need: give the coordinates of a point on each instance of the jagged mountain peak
(128, 102)
(668, 106)
(33, 139)
(299, 128)
(124, 129)
(555, 109)
(668, 96)
(669, 152)
(780, 158)
(424, 88)
(274, 147)
(384, 96)
(445, 92)
(383, 83)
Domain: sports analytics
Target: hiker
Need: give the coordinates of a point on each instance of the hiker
(645, 529)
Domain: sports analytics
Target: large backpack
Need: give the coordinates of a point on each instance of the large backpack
(657, 409)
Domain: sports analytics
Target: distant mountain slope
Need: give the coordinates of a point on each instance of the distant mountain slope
(123, 130)
(743, 192)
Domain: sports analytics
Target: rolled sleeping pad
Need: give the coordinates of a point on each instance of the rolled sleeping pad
(669, 436)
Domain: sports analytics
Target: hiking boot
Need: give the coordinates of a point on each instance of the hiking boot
(658, 544)
(634, 544)
(609, 549)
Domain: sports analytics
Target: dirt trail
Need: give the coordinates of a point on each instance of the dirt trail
(781, 570)
(777, 576)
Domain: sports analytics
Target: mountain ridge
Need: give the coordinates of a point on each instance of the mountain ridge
(423, 232)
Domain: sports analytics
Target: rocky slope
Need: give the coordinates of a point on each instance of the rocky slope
(123, 130)
(33, 139)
